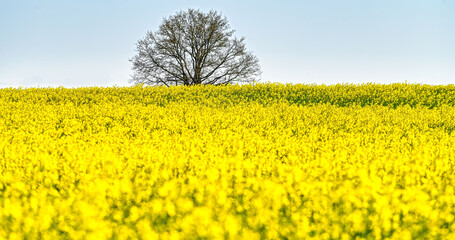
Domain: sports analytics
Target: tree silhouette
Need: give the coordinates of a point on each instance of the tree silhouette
(193, 47)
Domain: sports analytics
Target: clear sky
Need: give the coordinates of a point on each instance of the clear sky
(89, 43)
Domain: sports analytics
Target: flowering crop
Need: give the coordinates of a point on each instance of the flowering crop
(233, 162)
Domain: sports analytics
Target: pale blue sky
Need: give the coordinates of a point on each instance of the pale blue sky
(88, 43)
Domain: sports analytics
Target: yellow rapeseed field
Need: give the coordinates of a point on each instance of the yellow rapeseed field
(269, 161)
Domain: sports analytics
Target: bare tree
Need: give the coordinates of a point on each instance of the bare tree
(193, 47)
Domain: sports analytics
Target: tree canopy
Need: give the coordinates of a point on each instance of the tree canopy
(192, 48)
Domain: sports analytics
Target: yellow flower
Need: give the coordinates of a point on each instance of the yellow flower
(245, 162)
